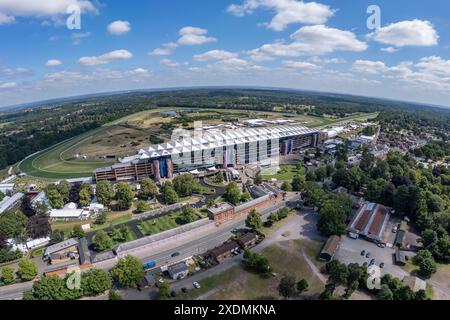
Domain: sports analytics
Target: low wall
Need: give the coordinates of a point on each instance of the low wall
(163, 237)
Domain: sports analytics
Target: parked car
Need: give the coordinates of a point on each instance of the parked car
(175, 254)
(368, 255)
(382, 265)
(365, 264)
(274, 274)
(372, 262)
(394, 229)
(363, 253)
(184, 290)
(196, 285)
(381, 245)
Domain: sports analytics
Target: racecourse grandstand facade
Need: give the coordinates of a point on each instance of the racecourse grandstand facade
(211, 150)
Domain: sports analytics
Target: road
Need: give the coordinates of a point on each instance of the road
(185, 250)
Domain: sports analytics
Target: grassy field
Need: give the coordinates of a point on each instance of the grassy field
(112, 220)
(159, 224)
(127, 135)
(286, 172)
(237, 283)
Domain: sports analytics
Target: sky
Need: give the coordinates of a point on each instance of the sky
(397, 49)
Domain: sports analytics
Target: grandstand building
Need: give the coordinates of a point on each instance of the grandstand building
(210, 150)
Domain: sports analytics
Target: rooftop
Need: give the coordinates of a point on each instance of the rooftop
(61, 246)
(220, 207)
(226, 247)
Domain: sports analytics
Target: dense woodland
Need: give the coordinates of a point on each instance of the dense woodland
(24, 131)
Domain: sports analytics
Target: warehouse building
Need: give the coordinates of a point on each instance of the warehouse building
(215, 148)
(369, 222)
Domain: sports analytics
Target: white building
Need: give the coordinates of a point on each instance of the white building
(9, 202)
(69, 212)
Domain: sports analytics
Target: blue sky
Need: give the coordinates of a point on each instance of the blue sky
(322, 45)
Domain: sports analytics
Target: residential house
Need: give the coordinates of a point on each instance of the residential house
(178, 271)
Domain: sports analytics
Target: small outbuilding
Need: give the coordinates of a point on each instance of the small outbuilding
(330, 248)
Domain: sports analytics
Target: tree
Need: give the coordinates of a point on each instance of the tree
(142, 206)
(26, 207)
(57, 236)
(331, 220)
(385, 293)
(124, 196)
(101, 218)
(185, 184)
(85, 197)
(421, 295)
(42, 209)
(282, 213)
(254, 220)
(302, 286)
(2, 196)
(210, 203)
(102, 241)
(114, 295)
(219, 177)
(163, 291)
(298, 183)
(258, 179)
(232, 193)
(169, 194)
(55, 199)
(286, 186)
(286, 287)
(38, 226)
(188, 214)
(12, 224)
(273, 217)
(104, 192)
(52, 288)
(8, 275)
(128, 271)
(78, 232)
(256, 262)
(28, 270)
(245, 196)
(149, 189)
(95, 281)
(63, 188)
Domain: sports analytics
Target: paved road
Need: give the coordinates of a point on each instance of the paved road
(188, 249)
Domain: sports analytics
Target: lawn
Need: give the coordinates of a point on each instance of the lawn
(112, 219)
(160, 224)
(286, 172)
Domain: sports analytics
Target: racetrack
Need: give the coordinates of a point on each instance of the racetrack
(53, 163)
(58, 161)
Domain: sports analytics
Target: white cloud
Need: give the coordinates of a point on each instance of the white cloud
(119, 27)
(139, 72)
(287, 12)
(369, 67)
(5, 19)
(300, 65)
(7, 85)
(42, 9)
(15, 72)
(313, 40)
(53, 63)
(407, 33)
(191, 36)
(389, 49)
(166, 49)
(169, 63)
(215, 55)
(78, 36)
(435, 65)
(106, 58)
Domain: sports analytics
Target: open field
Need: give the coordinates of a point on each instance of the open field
(159, 224)
(284, 258)
(127, 135)
(286, 172)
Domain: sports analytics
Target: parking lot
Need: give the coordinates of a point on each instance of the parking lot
(350, 252)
